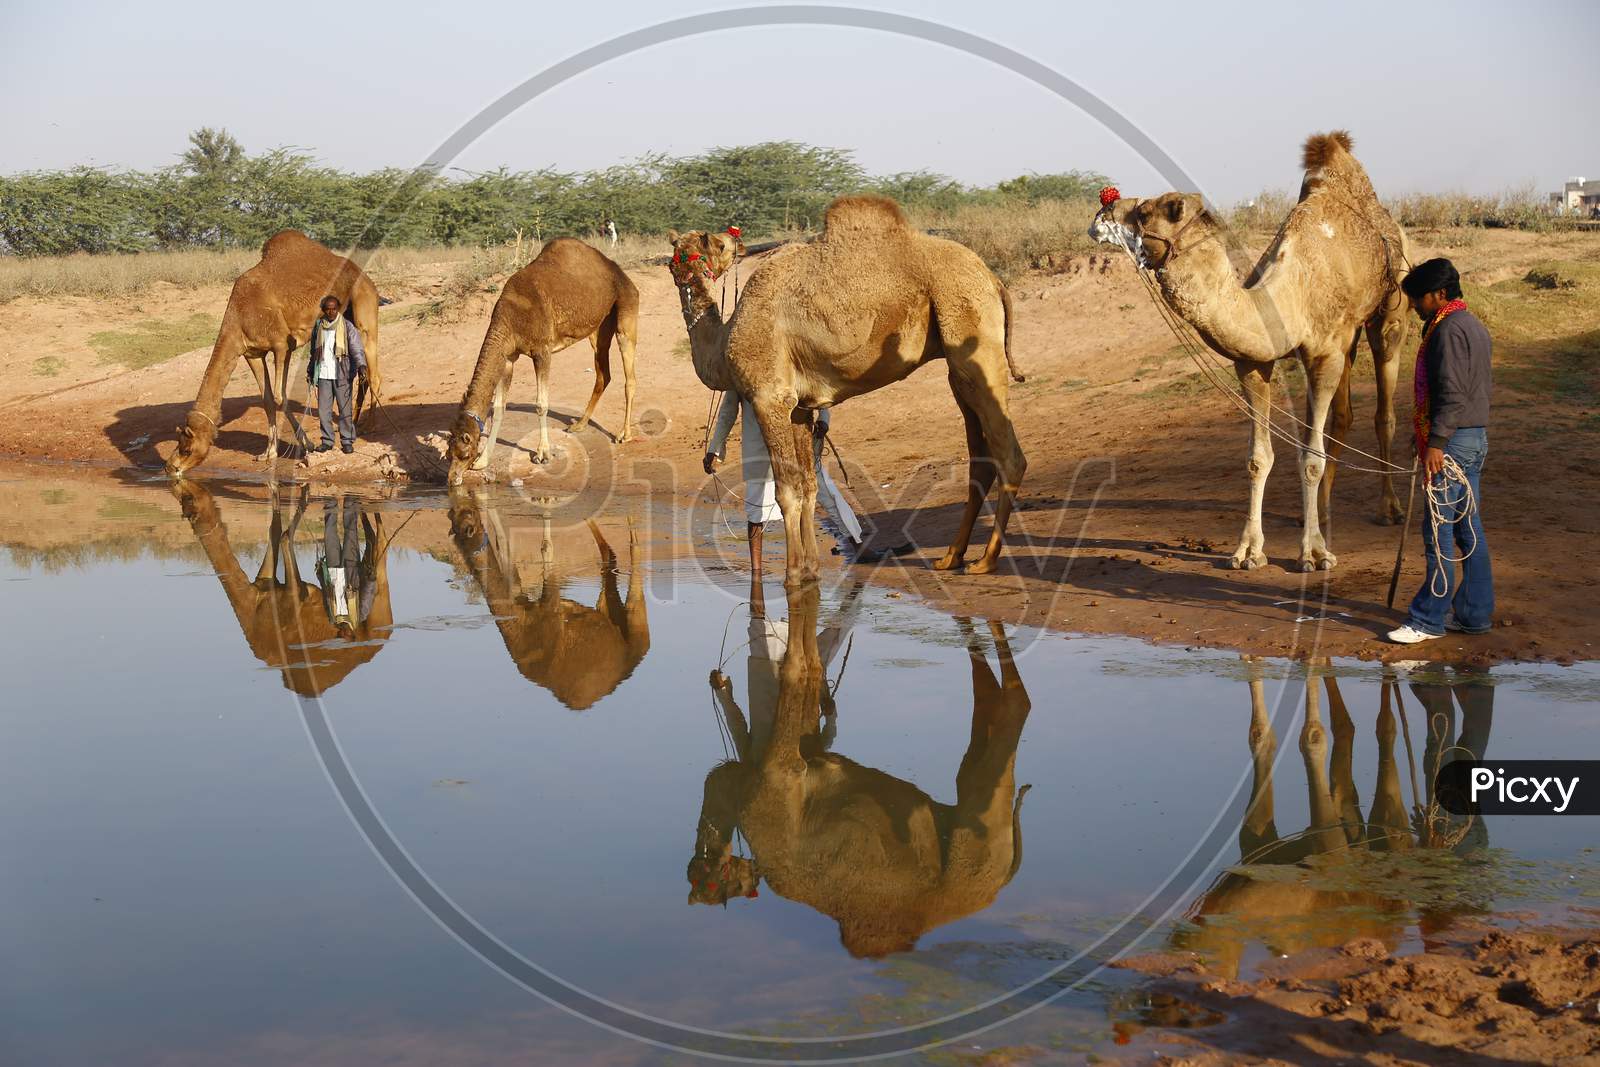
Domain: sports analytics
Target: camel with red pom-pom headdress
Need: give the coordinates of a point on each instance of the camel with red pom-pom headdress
(1332, 271)
(858, 309)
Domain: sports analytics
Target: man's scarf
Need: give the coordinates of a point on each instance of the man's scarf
(1419, 379)
(341, 343)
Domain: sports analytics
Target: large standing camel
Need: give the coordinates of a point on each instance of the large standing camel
(579, 653)
(286, 621)
(870, 850)
(1333, 269)
(570, 291)
(270, 312)
(858, 309)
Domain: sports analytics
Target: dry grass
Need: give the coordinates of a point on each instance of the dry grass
(1014, 239)
(118, 275)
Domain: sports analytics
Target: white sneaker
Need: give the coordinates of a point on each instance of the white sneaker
(1409, 635)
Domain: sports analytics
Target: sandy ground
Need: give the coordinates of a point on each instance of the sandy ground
(1478, 995)
(1134, 497)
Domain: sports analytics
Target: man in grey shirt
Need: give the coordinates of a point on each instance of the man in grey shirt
(1452, 384)
(337, 358)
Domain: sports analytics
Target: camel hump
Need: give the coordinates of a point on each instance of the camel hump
(1324, 149)
(863, 214)
(284, 241)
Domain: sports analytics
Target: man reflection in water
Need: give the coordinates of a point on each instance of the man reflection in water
(339, 567)
(768, 641)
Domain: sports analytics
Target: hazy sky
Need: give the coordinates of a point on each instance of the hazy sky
(1439, 96)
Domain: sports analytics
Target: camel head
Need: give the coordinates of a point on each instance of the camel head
(1155, 230)
(718, 879)
(698, 259)
(465, 442)
(702, 256)
(194, 442)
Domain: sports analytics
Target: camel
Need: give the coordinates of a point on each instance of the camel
(871, 851)
(1249, 903)
(287, 622)
(570, 291)
(856, 310)
(270, 312)
(1332, 270)
(579, 653)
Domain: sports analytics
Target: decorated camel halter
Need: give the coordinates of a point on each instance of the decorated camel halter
(685, 266)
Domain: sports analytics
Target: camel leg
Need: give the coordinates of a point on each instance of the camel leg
(1338, 431)
(1326, 833)
(1340, 763)
(1255, 379)
(801, 435)
(637, 610)
(263, 376)
(773, 415)
(364, 310)
(626, 332)
(1389, 827)
(1259, 830)
(1323, 371)
(986, 394)
(497, 413)
(541, 379)
(980, 477)
(1386, 337)
(602, 371)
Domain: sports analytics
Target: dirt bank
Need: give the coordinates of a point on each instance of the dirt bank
(1135, 491)
(1477, 995)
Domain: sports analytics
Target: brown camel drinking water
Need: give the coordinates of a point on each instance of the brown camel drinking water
(288, 622)
(578, 652)
(856, 310)
(1332, 271)
(570, 291)
(270, 313)
(869, 850)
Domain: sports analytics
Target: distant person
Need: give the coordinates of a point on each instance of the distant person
(611, 232)
(336, 358)
(1452, 384)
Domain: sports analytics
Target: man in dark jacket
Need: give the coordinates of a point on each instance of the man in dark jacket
(1452, 384)
(337, 358)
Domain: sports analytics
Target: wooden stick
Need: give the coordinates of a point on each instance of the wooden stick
(1400, 550)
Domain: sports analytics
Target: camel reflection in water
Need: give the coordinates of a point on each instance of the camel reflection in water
(1248, 904)
(577, 652)
(314, 632)
(873, 852)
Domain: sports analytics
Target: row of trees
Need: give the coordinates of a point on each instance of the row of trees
(218, 195)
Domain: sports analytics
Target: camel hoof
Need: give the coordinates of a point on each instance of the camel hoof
(981, 566)
(627, 438)
(1247, 561)
(1324, 562)
(577, 427)
(948, 563)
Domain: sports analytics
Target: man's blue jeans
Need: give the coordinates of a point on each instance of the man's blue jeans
(1471, 595)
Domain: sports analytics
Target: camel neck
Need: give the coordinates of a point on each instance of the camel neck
(1257, 323)
(707, 339)
(224, 358)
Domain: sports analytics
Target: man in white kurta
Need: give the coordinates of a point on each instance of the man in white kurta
(760, 493)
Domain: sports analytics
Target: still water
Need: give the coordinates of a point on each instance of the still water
(338, 778)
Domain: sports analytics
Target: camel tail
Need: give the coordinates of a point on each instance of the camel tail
(1005, 302)
(1016, 833)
